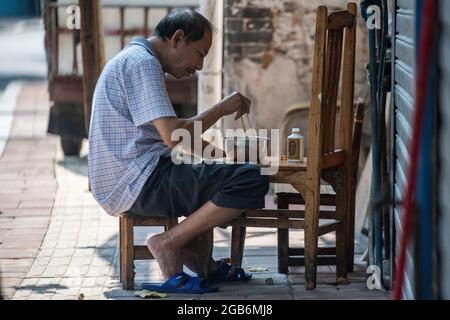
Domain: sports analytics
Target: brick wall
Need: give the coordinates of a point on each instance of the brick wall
(268, 47)
(249, 32)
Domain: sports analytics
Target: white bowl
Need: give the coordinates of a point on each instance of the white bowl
(246, 149)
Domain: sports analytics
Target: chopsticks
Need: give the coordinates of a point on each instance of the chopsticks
(252, 129)
(249, 122)
(243, 124)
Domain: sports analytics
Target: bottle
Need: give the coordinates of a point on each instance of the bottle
(295, 148)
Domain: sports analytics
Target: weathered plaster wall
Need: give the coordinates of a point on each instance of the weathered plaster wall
(268, 54)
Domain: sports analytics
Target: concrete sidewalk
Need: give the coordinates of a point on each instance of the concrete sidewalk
(59, 243)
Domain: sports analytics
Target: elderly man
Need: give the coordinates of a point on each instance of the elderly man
(130, 165)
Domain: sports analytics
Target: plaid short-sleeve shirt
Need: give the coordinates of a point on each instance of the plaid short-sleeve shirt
(124, 145)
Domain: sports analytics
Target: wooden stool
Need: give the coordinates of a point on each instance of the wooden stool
(130, 252)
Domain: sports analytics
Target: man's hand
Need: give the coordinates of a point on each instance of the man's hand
(235, 102)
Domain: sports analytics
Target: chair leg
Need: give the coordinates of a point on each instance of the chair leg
(120, 250)
(237, 245)
(350, 232)
(312, 206)
(127, 252)
(204, 245)
(283, 240)
(342, 232)
(350, 247)
(171, 223)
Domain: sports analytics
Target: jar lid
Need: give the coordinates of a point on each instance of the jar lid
(295, 130)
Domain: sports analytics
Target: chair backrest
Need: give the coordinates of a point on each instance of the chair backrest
(333, 64)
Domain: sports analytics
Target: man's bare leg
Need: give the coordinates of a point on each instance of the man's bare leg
(167, 247)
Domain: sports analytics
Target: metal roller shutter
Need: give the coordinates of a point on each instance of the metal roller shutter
(404, 93)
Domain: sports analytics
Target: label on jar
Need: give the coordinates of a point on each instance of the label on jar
(294, 149)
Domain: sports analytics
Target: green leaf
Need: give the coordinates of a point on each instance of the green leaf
(150, 294)
(257, 269)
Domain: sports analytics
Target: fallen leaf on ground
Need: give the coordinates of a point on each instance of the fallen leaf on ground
(342, 281)
(257, 269)
(150, 294)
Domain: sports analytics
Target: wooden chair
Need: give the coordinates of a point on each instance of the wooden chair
(129, 252)
(334, 45)
(288, 256)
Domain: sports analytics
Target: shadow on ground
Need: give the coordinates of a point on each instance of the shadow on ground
(75, 164)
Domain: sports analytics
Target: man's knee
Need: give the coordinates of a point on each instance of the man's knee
(264, 183)
(259, 181)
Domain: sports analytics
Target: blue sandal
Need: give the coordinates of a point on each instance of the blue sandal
(182, 283)
(227, 273)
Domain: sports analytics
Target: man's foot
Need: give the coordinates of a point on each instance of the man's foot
(168, 258)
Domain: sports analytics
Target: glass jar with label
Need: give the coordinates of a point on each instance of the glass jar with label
(295, 149)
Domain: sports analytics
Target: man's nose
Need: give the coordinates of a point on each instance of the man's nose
(199, 65)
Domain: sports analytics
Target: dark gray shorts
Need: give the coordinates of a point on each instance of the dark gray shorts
(179, 190)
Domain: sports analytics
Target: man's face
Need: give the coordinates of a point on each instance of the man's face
(188, 56)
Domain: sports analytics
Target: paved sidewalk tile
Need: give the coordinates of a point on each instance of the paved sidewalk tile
(76, 250)
(27, 186)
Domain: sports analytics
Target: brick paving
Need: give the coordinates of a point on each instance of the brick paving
(79, 248)
(57, 243)
(27, 186)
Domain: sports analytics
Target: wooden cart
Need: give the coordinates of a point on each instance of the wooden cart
(122, 20)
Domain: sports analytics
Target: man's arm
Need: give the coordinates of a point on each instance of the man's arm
(234, 103)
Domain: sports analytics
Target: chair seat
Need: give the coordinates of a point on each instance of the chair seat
(140, 221)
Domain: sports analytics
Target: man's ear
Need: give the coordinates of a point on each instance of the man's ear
(176, 38)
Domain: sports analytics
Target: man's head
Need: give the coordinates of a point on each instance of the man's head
(188, 38)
